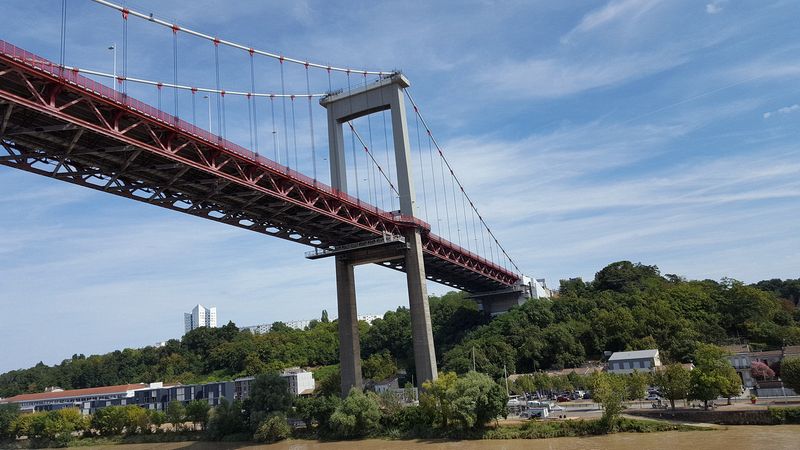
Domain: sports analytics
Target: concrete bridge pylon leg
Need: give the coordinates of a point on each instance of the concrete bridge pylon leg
(421, 328)
(349, 340)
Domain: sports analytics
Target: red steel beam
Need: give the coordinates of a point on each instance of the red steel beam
(132, 122)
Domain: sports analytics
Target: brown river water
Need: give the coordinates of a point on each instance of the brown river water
(731, 438)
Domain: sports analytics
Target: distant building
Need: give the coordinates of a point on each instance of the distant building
(157, 397)
(200, 317)
(298, 324)
(301, 382)
(741, 358)
(369, 318)
(86, 400)
(639, 360)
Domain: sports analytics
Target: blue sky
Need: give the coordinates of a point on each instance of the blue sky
(660, 131)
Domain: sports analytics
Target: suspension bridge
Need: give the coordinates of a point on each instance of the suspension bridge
(101, 130)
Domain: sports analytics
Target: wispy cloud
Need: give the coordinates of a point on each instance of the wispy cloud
(611, 12)
(784, 110)
(558, 77)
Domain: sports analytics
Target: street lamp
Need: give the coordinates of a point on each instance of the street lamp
(209, 111)
(113, 47)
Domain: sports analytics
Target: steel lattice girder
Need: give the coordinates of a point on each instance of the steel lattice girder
(96, 142)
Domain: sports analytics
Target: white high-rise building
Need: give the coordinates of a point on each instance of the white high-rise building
(200, 317)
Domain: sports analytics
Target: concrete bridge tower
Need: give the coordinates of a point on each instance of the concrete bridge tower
(386, 94)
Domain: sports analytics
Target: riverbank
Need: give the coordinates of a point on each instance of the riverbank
(530, 430)
(745, 436)
(752, 416)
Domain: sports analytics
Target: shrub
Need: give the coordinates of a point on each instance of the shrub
(226, 419)
(8, 413)
(761, 371)
(357, 415)
(782, 416)
(273, 429)
(319, 409)
(409, 418)
(468, 402)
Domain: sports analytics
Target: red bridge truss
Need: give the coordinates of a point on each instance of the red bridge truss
(62, 125)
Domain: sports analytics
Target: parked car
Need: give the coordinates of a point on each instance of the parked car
(587, 396)
(563, 398)
(535, 413)
(653, 397)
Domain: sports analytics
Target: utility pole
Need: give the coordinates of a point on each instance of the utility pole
(473, 358)
(505, 373)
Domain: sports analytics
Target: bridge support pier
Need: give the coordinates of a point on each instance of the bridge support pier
(385, 94)
(421, 328)
(349, 340)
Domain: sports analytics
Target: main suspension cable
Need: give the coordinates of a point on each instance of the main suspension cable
(152, 18)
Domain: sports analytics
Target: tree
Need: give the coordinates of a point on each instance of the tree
(8, 413)
(790, 373)
(226, 419)
(21, 425)
(269, 393)
(674, 382)
(157, 418)
(176, 414)
(524, 384)
(318, 409)
(273, 429)
(761, 371)
(357, 415)
(324, 318)
(436, 399)
(137, 420)
(465, 402)
(624, 275)
(636, 385)
(476, 400)
(379, 366)
(609, 390)
(732, 384)
(328, 380)
(197, 413)
(110, 421)
(713, 375)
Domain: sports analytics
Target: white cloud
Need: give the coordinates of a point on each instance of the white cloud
(616, 10)
(784, 110)
(714, 7)
(558, 77)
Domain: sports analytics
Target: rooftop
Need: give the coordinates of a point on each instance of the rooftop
(638, 354)
(105, 390)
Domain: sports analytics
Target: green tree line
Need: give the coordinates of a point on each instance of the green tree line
(626, 306)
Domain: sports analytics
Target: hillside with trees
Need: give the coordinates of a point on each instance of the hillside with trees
(626, 306)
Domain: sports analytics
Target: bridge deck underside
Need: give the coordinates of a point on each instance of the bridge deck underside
(66, 132)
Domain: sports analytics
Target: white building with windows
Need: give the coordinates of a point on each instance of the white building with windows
(628, 362)
(301, 382)
(200, 317)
